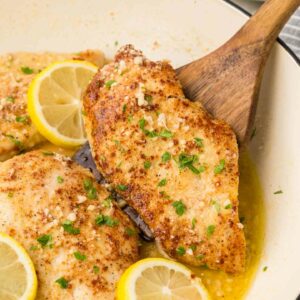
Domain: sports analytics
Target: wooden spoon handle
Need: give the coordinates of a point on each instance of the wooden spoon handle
(267, 23)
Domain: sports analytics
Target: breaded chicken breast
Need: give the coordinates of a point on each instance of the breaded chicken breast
(17, 133)
(169, 159)
(79, 240)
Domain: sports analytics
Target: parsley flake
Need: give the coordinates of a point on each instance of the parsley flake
(210, 230)
(200, 256)
(59, 179)
(265, 268)
(22, 119)
(10, 194)
(198, 142)
(90, 189)
(62, 282)
(122, 187)
(15, 141)
(130, 231)
(107, 202)
(147, 164)
(278, 192)
(220, 167)
(188, 161)
(26, 70)
(163, 182)
(109, 83)
(96, 269)
(124, 108)
(180, 251)
(10, 99)
(180, 208)
(106, 220)
(45, 240)
(166, 157)
(194, 221)
(68, 227)
(48, 153)
(79, 256)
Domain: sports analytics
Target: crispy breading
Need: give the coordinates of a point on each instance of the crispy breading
(17, 133)
(38, 194)
(171, 161)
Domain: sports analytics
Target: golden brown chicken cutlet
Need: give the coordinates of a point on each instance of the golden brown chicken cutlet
(168, 158)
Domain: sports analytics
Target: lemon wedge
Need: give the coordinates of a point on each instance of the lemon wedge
(159, 278)
(17, 275)
(54, 101)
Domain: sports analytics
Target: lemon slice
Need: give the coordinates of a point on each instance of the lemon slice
(17, 275)
(54, 101)
(159, 278)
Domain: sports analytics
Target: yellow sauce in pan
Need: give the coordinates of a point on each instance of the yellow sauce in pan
(251, 211)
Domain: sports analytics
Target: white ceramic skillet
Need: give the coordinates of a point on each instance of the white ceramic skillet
(183, 30)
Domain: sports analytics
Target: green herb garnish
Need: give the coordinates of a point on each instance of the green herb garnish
(26, 70)
(130, 231)
(163, 182)
(166, 157)
(122, 187)
(15, 141)
(199, 142)
(180, 250)
(68, 227)
(45, 240)
(200, 256)
(79, 256)
(210, 230)
(96, 269)
(62, 282)
(265, 268)
(188, 161)
(220, 167)
(278, 192)
(148, 98)
(147, 164)
(22, 119)
(109, 83)
(107, 202)
(180, 208)
(193, 248)
(59, 179)
(90, 189)
(124, 108)
(10, 99)
(106, 220)
(194, 221)
(48, 153)
(10, 194)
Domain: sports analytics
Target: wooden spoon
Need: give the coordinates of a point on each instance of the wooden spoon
(227, 81)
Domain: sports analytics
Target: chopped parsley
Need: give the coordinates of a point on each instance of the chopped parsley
(10, 99)
(107, 202)
(163, 182)
(26, 70)
(220, 167)
(194, 221)
(10, 194)
(130, 231)
(90, 189)
(45, 240)
(116, 43)
(228, 206)
(62, 282)
(124, 108)
(180, 250)
(48, 153)
(79, 256)
(130, 118)
(198, 142)
(14, 140)
(147, 164)
(59, 179)
(166, 156)
(148, 98)
(180, 208)
(109, 83)
(200, 256)
(193, 248)
(188, 161)
(210, 230)
(22, 119)
(68, 227)
(216, 205)
(33, 248)
(122, 187)
(164, 133)
(265, 268)
(106, 220)
(96, 269)
(278, 192)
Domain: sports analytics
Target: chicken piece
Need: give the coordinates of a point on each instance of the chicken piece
(171, 161)
(17, 133)
(68, 224)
